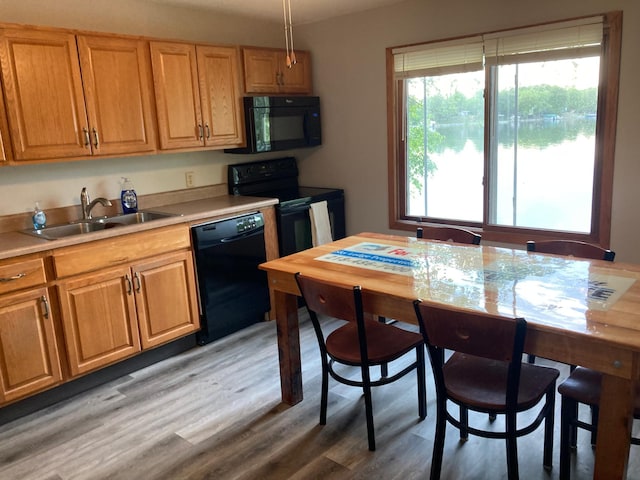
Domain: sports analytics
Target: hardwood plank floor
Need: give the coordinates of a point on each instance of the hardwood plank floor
(214, 412)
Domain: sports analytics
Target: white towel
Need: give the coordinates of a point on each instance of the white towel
(320, 226)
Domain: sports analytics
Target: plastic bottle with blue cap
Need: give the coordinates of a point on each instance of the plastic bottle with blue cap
(128, 197)
(39, 218)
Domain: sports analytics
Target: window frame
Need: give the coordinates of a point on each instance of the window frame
(606, 124)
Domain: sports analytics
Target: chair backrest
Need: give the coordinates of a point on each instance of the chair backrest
(449, 234)
(330, 299)
(474, 333)
(571, 247)
(333, 300)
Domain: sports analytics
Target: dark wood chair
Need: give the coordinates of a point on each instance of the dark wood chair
(582, 386)
(449, 234)
(361, 342)
(485, 374)
(572, 248)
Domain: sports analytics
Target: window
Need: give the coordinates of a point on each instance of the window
(511, 133)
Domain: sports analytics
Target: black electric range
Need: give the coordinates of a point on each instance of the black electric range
(278, 178)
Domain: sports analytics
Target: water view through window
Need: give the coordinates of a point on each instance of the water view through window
(541, 145)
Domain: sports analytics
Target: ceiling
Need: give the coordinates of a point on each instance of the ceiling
(302, 11)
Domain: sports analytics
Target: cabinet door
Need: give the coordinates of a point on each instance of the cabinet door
(116, 75)
(99, 320)
(265, 71)
(175, 77)
(220, 94)
(5, 149)
(261, 70)
(297, 79)
(166, 298)
(29, 360)
(43, 91)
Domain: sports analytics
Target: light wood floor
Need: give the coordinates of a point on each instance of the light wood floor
(215, 413)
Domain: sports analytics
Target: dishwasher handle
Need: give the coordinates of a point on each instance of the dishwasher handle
(241, 236)
(206, 241)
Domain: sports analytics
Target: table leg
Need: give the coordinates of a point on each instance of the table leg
(289, 347)
(614, 428)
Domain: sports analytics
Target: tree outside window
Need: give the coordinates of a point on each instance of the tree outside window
(511, 144)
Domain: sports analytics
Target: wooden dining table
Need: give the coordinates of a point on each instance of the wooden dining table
(578, 311)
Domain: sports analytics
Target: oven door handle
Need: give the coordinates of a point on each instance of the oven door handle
(294, 209)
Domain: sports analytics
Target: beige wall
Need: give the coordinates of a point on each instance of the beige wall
(349, 75)
(59, 184)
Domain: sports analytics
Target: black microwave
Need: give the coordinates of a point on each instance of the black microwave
(280, 123)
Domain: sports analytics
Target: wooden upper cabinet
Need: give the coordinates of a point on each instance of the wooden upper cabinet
(43, 91)
(116, 75)
(297, 79)
(56, 112)
(198, 97)
(5, 147)
(221, 95)
(175, 77)
(265, 71)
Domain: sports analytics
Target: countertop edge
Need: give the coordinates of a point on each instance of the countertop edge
(16, 244)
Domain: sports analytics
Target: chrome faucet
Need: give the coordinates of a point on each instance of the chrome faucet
(87, 205)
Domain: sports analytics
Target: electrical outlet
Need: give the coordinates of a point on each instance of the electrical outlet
(188, 179)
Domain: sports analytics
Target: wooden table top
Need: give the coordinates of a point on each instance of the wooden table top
(578, 297)
(578, 311)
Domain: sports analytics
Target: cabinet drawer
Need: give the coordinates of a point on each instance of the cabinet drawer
(21, 273)
(118, 250)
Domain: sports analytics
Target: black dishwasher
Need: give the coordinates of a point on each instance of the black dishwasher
(233, 291)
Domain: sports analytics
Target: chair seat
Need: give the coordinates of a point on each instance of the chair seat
(385, 343)
(482, 382)
(584, 384)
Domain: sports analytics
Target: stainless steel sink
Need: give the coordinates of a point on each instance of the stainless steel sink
(131, 218)
(55, 232)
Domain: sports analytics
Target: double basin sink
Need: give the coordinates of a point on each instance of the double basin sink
(97, 224)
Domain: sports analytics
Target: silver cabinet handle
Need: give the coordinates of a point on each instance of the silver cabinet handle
(136, 277)
(129, 286)
(11, 279)
(87, 139)
(200, 131)
(206, 125)
(96, 138)
(45, 304)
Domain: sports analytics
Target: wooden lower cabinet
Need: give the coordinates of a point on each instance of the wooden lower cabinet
(114, 313)
(166, 299)
(99, 319)
(29, 360)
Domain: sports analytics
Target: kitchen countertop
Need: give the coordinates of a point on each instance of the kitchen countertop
(14, 244)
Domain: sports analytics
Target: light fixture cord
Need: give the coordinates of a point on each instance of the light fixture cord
(286, 32)
(293, 53)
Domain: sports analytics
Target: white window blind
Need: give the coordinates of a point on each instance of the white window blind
(575, 38)
(438, 58)
(556, 40)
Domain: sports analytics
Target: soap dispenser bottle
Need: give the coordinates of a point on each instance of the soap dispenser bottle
(128, 197)
(39, 218)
